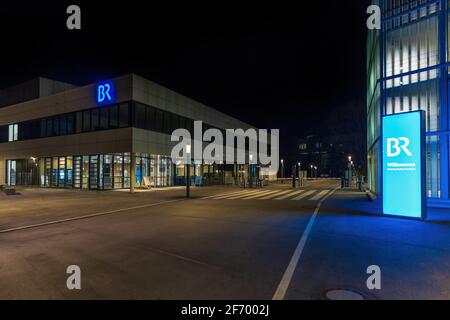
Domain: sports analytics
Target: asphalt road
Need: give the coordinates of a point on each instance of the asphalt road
(224, 243)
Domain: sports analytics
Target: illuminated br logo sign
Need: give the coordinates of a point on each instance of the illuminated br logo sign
(396, 145)
(105, 93)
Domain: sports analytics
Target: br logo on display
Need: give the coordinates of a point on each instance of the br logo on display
(396, 145)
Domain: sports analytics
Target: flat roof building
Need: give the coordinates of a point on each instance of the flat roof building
(102, 136)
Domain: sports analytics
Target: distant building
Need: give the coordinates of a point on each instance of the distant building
(329, 154)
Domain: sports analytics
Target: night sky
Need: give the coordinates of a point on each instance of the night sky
(271, 65)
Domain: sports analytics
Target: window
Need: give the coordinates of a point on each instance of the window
(150, 118)
(139, 116)
(166, 122)
(49, 127)
(113, 115)
(78, 122)
(70, 123)
(104, 118)
(123, 115)
(12, 132)
(63, 125)
(55, 126)
(95, 120)
(86, 120)
(159, 121)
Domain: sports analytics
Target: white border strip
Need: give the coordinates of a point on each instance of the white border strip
(280, 293)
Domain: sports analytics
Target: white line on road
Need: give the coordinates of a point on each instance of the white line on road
(279, 193)
(87, 216)
(290, 195)
(319, 195)
(280, 293)
(304, 195)
(259, 195)
(248, 194)
(223, 194)
(237, 194)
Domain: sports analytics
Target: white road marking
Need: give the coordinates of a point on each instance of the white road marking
(88, 216)
(262, 194)
(304, 195)
(319, 195)
(239, 194)
(279, 193)
(290, 195)
(223, 194)
(283, 286)
(245, 195)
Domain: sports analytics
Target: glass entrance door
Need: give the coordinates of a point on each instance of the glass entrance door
(93, 172)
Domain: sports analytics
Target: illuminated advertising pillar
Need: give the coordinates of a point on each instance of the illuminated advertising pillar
(403, 172)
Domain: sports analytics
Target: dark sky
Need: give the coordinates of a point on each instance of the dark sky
(272, 65)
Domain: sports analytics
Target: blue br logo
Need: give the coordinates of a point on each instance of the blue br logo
(104, 92)
(396, 145)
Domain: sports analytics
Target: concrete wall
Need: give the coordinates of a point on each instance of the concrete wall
(68, 101)
(108, 141)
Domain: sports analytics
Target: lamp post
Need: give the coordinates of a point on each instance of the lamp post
(315, 170)
(188, 174)
(349, 171)
(311, 171)
(282, 170)
(250, 176)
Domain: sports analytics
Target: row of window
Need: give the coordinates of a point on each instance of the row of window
(99, 118)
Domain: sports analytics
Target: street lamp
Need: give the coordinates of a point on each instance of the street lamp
(250, 176)
(315, 169)
(282, 169)
(188, 174)
(311, 171)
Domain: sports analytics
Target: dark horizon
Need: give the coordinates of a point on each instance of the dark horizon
(285, 68)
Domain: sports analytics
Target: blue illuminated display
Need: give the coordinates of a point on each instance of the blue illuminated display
(105, 93)
(404, 165)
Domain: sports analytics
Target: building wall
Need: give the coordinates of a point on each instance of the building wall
(408, 71)
(127, 88)
(67, 101)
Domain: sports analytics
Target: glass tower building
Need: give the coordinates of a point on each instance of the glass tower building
(408, 69)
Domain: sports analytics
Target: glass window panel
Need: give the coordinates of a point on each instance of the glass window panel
(113, 116)
(86, 121)
(124, 115)
(95, 119)
(433, 167)
(118, 171)
(126, 170)
(63, 125)
(69, 172)
(70, 123)
(79, 122)
(104, 118)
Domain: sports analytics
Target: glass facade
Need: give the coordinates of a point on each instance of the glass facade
(107, 171)
(407, 70)
(129, 114)
(101, 171)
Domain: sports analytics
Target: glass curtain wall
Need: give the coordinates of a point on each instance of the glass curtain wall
(101, 172)
(412, 79)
